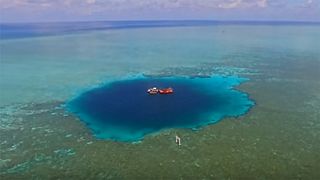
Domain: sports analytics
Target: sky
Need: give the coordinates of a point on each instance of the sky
(97, 10)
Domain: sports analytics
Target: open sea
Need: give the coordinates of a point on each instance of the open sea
(246, 101)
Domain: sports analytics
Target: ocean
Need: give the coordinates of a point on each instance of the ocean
(46, 67)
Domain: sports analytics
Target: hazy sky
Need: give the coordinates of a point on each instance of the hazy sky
(78, 10)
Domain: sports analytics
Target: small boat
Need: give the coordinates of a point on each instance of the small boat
(166, 91)
(153, 91)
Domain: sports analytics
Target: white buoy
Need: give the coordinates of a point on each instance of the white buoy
(178, 140)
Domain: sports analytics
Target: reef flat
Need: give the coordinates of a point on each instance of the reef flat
(279, 138)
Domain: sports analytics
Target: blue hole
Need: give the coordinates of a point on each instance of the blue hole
(124, 111)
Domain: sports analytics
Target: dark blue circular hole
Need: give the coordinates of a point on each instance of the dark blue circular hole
(123, 110)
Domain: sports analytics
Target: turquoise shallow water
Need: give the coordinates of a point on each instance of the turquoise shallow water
(280, 137)
(123, 111)
(49, 68)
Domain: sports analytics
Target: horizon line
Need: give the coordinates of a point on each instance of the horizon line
(168, 20)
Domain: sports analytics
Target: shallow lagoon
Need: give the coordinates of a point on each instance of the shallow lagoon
(123, 111)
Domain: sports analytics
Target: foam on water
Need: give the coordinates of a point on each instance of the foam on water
(123, 111)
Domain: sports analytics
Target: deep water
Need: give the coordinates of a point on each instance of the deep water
(124, 111)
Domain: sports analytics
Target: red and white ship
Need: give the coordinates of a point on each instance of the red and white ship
(155, 90)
